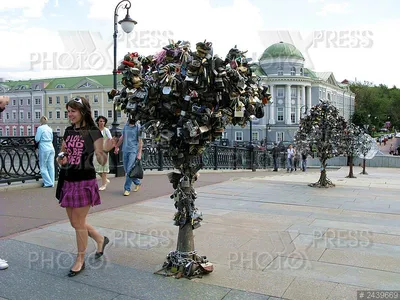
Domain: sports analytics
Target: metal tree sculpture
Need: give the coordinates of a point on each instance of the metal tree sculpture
(185, 99)
(367, 149)
(322, 130)
(353, 139)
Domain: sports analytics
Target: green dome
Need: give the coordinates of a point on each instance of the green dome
(281, 49)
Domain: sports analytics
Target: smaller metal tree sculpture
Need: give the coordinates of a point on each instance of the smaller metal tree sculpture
(322, 131)
(353, 139)
(367, 149)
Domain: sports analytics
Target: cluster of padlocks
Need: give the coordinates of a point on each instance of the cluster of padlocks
(186, 98)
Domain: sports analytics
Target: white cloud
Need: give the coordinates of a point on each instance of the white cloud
(224, 26)
(334, 8)
(372, 60)
(30, 9)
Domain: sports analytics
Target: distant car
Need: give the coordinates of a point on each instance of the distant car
(283, 145)
(270, 145)
(397, 135)
(383, 130)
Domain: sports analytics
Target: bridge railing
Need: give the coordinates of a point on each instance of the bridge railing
(19, 160)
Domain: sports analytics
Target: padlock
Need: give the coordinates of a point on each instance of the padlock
(185, 182)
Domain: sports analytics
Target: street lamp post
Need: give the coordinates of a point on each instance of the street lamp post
(305, 109)
(251, 146)
(127, 25)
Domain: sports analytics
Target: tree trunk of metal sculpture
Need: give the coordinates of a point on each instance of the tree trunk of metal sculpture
(323, 181)
(363, 168)
(351, 174)
(184, 261)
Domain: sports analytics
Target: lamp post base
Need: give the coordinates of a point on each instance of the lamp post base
(116, 163)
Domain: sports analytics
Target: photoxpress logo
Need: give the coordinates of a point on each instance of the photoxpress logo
(316, 39)
(85, 50)
(343, 39)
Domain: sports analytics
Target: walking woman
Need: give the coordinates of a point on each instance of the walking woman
(101, 122)
(82, 140)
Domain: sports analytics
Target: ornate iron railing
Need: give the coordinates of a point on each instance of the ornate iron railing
(19, 159)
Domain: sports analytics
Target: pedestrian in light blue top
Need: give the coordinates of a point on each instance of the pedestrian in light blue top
(44, 136)
(131, 150)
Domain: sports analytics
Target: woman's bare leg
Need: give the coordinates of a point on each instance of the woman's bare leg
(78, 222)
(103, 178)
(94, 234)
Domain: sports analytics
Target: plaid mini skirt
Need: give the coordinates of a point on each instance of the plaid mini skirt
(80, 193)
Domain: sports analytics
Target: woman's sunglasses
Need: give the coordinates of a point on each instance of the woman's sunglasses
(79, 100)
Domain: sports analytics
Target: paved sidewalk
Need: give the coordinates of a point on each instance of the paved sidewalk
(268, 237)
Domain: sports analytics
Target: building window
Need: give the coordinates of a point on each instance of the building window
(21, 115)
(21, 102)
(119, 115)
(293, 71)
(293, 92)
(28, 101)
(21, 131)
(65, 114)
(255, 136)
(37, 101)
(87, 98)
(280, 72)
(301, 72)
(280, 136)
(58, 114)
(109, 113)
(96, 113)
(96, 98)
(50, 115)
(29, 129)
(65, 99)
(14, 115)
(14, 102)
(7, 131)
(58, 99)
(29, 115)
(7, 116)
(280, 114)
(293, 115)
(1, 131)
(238, 136)
(37, 114)
(60, 86)
(280, 92)
(14, 131)
(50, 100)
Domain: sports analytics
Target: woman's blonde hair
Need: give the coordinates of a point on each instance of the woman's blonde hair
(43, 120)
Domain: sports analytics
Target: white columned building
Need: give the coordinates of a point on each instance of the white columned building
(294, 89)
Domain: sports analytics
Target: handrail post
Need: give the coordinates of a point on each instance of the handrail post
(215, 157)
(160, 158)
(234, 157)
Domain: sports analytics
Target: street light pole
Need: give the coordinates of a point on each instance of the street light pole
(127, 25)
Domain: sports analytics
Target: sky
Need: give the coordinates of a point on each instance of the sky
(58, 38)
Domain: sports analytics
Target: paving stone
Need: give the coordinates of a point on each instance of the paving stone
(368, 278)
(344, 291)
(310, 289)
(17, 282)
(362, 259)
(240, 295)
